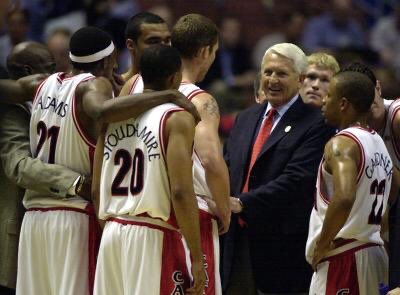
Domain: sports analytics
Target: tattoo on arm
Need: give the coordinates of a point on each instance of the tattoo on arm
(211, 107)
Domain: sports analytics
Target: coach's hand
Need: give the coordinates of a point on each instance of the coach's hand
(181, 100)
(199, 278)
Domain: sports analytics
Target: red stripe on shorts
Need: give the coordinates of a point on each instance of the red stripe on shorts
(207, 245)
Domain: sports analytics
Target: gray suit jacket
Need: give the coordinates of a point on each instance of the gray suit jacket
(17, 171)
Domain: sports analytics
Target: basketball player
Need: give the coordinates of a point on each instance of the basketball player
(146, 182)
(143, 30)
(66, 117)
(353, 186)
(385, 118)
(320, 70)
(196, 38)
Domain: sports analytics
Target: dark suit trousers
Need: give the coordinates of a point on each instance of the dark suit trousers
(241, 280)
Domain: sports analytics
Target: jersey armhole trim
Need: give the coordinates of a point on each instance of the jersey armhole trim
(361, 165)
(162, 137)
(38, 90)
(396, 145)
(86, 139)
(131, 91)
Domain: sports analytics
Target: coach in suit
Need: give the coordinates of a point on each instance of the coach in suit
(17, 169)
(273, 154)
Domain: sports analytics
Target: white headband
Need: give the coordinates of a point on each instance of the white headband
(93, 57)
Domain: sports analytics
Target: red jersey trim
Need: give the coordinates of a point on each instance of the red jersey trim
(139, 223)
(396, 145)
(134, 84)
(352, 250)
(162, 137)
(86, 139)
(194, 93)
(361, 165)
(83, 211)
(38, 89)
(321, 180)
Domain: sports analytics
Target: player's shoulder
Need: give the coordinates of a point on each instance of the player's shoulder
(180, 119)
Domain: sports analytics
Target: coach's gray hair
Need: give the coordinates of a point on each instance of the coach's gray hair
(292, 52)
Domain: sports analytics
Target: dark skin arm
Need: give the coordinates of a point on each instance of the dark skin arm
(22, 90)
(208, 147)
(341, 160)
(180, 132)
(160, 97)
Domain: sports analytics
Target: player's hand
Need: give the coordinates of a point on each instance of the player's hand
(86, 191)
(394, 291)
(181, 100)
(117, 83)
(223, 221)
(320, 252)
(199, 278)
(235, 205)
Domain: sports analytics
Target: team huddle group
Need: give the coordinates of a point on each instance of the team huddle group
(142, 198)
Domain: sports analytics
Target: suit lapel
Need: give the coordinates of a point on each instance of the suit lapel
(284, 127)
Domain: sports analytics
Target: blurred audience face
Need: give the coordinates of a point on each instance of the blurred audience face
(295, 27)
(279, 79)
(315, 85)
(341, 10)
(164, 12)
(17, 24)
(230, 32)
(58, 44)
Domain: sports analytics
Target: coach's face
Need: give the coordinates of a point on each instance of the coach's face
(279, 79)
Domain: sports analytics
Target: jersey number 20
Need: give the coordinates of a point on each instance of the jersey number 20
(127, 162)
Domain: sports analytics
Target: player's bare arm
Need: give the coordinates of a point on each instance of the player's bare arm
(97, 165)
(153, 99)
(180, 132)
(341, 160)
(208, 147)
(21, 90)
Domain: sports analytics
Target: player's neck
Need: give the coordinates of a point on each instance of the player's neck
(358, 121)
(190, 71)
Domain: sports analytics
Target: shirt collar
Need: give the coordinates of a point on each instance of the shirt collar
(281, 110)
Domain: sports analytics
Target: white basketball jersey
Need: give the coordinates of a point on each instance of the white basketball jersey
(55, 133)
(392, 108)
(199, 176)
(134, 178)
(373, 187)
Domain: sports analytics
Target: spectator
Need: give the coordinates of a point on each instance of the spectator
(17, 28)
(58, 44)
(385, 39)
(291, 32)
(334, 29)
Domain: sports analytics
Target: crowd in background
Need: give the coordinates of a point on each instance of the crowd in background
(360, 30)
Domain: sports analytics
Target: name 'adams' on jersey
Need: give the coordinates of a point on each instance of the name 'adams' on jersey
(56, 136)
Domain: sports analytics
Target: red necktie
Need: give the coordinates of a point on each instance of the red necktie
(263, 134)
